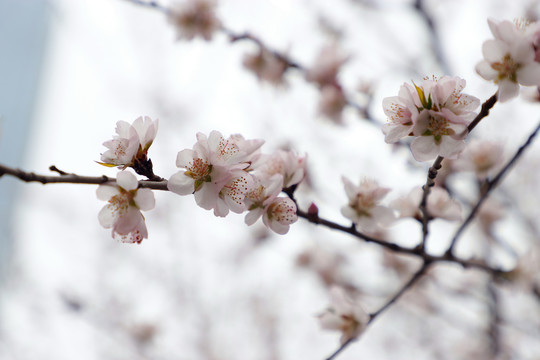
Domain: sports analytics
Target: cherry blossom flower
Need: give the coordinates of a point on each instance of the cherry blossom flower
(509, 59)
(211, 171)
(262, 200)
(489, 213)
(131, 142)
(326, 67)
(482, 157)
(436, 112)
(363, 208)
(332, 101)
(266, 66)
(194, 18)
(439, 205)
(344, 315)
(123, 211)
(287, 163)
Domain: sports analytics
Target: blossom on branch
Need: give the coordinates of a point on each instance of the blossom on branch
(266, 66)
(344, 315)
(291, 166)
(131, 143)
(214, 171)
(263, 201)
(482, 157)
(123, 211)
(363, 208)
(436, 113)
(439, 205)
(510, 59)
(194, 18)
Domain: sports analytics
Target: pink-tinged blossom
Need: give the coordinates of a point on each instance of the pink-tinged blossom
(436, 113)
(326, 67)
(332, 101)
(363, 208)
(263, 201)
(266, 66)
(439, 205)
(489, 213)
(344, 315)
(437, 133)
(291, 166)
(482, 157)
(123, 211)
(131, 142)
(509, 59)
(213, 171)
(194, 18)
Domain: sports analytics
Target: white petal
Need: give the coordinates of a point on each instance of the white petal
(107, 216)
(424, 148)
(127, 180)
(184, 157)
(207, 196)
(105, 192)
(144, 198)
(529, 75)
(128, 221)
(253, 215)
(181, 184)
(507, 90)
(394, 132)
(450, 148)
(494, 50)
(485, 70)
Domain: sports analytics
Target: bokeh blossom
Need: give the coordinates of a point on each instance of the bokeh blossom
(194, 18)
(344, 315)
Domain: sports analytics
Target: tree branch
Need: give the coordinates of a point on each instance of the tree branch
(66, 178)
(490, 186)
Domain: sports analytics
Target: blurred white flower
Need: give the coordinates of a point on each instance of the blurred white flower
(326, 67)
(344, 315)
(363, 208)
(439, 204)
(480, 156)
(332, 101)
(123, 211)
(194, 18)
(266, 66)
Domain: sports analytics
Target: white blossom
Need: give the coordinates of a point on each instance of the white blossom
(344, 315)
(194, 18)
(123, 211)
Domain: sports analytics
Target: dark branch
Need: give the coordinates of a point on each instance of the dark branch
(66, 178)
(490, 185)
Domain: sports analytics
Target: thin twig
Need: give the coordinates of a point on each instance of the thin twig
(490, 186)
(66, 178)
(414, 278)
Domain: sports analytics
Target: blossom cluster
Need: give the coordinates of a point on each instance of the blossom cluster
(512, 58)
(231, 174)
(436, 113)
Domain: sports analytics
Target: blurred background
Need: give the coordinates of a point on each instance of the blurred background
(202, 287)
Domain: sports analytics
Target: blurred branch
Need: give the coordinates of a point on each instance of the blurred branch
(66, 178)
(433, 36)
(414, 278)
(490, 185)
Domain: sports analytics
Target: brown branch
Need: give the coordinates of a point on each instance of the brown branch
(66, 178)
(490, 185)
(414, 278)
(417, 251)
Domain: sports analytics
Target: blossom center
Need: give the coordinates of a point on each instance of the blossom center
(507, 69)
